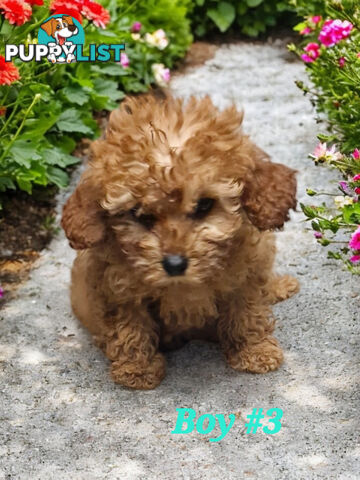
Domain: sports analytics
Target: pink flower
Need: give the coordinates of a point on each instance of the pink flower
(354, 243)
(316, 19)
(124, 60)
(342, 61)
(356, 154)
(356, 178)
(355, 258)
(357, 190)
(318, 235)
(1, 292)
(312, 52)
(323, 153)
(344, 186)
(161, 74)
(136, 27)
(333, 31)
(306, 31)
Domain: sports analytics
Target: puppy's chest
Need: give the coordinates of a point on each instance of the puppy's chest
(176, 312)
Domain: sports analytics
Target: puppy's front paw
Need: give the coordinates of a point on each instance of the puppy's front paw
(284, 287)
(133, 375)
(257, 358)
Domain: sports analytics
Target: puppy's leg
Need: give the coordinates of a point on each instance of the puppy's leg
(131, 343)
(282, 287)
(244, 329)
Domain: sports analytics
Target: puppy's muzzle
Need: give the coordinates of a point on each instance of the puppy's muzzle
(175, 264)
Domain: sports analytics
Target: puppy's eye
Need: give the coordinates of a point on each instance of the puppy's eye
(57, 27)
(203, 207)
(147, 220)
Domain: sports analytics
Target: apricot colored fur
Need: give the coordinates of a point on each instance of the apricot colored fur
(161, 157)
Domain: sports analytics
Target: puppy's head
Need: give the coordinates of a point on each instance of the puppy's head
(174, 187)
(60, 28)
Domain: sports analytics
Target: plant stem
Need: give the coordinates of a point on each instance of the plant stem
(10, 118)
(129, 8)
(5, 152)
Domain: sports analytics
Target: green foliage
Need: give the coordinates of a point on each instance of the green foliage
(304, 8)
(335, 91)
(51, 107)
(250, 17)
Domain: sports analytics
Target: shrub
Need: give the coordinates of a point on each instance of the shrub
(250, 17)
(45, 109)
(331, 52)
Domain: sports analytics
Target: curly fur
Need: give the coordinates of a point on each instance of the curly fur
(160, 158)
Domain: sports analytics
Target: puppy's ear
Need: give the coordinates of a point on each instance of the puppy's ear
(49, 26)
(82, 216)
(68, 19)
(269, 193)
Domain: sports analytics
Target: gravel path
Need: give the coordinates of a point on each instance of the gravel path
(63, 418)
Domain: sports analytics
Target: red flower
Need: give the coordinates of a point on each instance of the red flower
(68, 11)
(8, 72)
(64, 6)
(95, 12)
(35, 2)
(2, 111)
(15, 11)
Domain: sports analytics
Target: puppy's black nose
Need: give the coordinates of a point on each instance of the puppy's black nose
(175, 264)
(72, 28)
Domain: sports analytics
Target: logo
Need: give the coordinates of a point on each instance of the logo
(61, 39)
(61, 33)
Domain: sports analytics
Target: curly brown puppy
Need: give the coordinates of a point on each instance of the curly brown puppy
(172, 221)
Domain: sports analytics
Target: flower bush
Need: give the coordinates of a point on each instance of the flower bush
(330, 49)
(45, 109)
(250, 17)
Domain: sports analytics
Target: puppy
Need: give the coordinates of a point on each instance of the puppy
(172, 222)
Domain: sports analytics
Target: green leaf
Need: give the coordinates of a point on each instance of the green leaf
(250, 31)
(223, 16)
(254, 3)
(115, 70)
(6, 183)
(109, 88)
(308, 211)
(242, 8)
(315, 226)
(36, 127)
(55, 156)
(334, 255)
(70, 121)
(24, 184)
(58, 177)
(300, 26)
(23, 151)
(75, 94)
(351, 213)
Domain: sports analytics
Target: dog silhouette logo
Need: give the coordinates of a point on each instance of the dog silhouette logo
(61, 33)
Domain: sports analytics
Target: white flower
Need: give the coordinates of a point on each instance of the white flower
(341, 201)
(135, 36)
(157, 39)
(161, 74)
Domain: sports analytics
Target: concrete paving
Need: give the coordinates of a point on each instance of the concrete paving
(63, 418)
